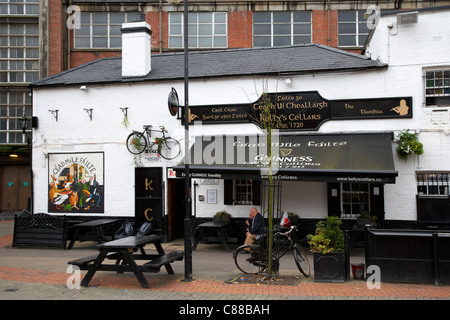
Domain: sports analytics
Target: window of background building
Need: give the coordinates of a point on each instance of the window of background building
(101, 29)
(352, 28)
(281, 28)
(437, 87)
(355, 198)
(13, 105)
(19, 52)
(24, 7)
(206, 30)
(434, 183)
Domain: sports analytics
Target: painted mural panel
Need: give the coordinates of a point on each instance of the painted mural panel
(76, 182)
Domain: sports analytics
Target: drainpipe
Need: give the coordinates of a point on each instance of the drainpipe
(160, 27)
(328, 23)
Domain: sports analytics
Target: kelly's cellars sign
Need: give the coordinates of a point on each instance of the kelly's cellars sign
(303, 110)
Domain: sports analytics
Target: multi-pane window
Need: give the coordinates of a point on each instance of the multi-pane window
(355, 199)
(281, 28)
(243, 193)
(16, 7)
(19, 52)
(206, 30)
(437, 87)
(432, 183)
(101, 29)
(352, 28)
(13, 105)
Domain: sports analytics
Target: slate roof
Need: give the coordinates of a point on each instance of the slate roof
(296, 59)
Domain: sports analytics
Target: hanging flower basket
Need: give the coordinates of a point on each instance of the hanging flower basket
(408, 144)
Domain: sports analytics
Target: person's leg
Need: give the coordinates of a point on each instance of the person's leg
(249, 239)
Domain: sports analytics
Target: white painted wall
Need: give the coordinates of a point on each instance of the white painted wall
(408, 53)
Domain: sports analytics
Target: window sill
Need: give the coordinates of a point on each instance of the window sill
(433, 196)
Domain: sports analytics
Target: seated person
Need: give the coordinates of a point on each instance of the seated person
(255, 226)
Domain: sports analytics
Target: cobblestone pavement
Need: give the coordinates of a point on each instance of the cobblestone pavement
(42, 274)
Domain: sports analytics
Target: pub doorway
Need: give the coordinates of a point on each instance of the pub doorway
(175, 209)
(15, 188)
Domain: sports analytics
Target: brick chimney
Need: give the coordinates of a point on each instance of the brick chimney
(136, 49)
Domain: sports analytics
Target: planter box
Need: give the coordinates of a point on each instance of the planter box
(365, 222)
(329, 267)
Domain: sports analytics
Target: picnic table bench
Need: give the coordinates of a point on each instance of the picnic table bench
(122, 251)
(219, 227)
(96, 225)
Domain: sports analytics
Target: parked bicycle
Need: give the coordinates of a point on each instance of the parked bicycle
(137, 142)
(254, 258)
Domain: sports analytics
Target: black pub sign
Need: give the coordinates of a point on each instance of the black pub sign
(299, 111)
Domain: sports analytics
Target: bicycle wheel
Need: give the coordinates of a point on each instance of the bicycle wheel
(170, 149)
(301, 260)
(249, 259)
(136, 143)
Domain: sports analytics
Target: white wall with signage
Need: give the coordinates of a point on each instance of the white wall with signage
(105, 132)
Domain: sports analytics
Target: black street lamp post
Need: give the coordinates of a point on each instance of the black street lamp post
(187, 196)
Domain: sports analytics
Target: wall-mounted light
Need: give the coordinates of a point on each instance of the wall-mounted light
(288, 81)
(55, 114)
(89, 112)
(83, 88)
(23, 122)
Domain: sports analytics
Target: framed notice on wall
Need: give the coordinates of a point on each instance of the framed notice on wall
(211, 196)
(76, 182)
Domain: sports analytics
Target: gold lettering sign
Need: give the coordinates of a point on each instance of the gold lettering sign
(301, 111)
(148, 185)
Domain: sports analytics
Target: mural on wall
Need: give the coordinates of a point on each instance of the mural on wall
(76, 182)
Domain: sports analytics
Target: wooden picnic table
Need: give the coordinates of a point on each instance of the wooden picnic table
(219, 227)
(96, 225)
(122, 251)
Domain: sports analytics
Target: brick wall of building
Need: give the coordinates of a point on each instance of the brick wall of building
(240, 29)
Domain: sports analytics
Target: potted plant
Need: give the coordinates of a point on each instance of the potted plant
(408, 144)
(365, 218)
(221, 216)
(327, 245)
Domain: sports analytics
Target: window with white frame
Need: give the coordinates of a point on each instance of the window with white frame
(355, 199)
(352, 28)
(16, 7)
(19, 52)
(101, 29)
(13, 105)
(281, 28)
(437, 87)
(432, 183)
(206, 30)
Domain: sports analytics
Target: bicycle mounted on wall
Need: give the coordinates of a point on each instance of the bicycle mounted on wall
(138, 142)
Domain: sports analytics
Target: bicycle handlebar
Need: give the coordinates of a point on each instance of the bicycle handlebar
(288, 232)
(149, 127)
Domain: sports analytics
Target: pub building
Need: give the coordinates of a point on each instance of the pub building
(340, 117)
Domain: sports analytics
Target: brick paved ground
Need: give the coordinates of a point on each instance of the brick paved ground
(30, 273)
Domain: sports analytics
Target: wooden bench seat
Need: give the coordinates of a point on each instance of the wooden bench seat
(83, 262)
(164, 260)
